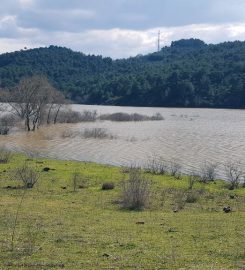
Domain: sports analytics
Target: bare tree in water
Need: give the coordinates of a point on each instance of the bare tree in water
(57, 100)
(30, 100)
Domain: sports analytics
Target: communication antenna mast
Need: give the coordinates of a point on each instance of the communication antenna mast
(158, 41)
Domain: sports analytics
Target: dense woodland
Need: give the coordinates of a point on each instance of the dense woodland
(189, 73)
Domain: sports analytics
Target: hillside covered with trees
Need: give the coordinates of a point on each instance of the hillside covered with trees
(189, 73)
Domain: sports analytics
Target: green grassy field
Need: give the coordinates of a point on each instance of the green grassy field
(58, 228)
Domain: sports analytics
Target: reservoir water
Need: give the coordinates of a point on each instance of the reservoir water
(190, 136)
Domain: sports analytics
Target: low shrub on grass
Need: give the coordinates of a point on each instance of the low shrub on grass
(191, 197)
(136, 191)
(78, 181)
(208, 172)
(108, 186)
(26, 174)
(157, 166)
(5, 155)
(175, 169)
(75, 178)
(179, 200)
(192, 179)
(235, 174)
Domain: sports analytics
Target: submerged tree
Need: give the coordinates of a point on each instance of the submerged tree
(57, 100)
(30, 100)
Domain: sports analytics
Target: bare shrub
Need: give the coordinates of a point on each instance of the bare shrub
(120, 116)
(26, 174)
(5, 155)
(131, 167)
(78, 180)
(136, 191)
(108, 186)
(69, 116)
(191, 197)
(69, 134)
(181, 197)
(163, 196)
(192, 179)
(235, 174)
(75, 180)
(4, 127)
(157, 117)
(88, 116)
(179, 200)
(97, 133)
(208, 172)
(175, 169)
(139, 117)
(157, 166)
(6, 123)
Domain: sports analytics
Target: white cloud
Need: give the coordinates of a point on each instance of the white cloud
(10, 29)
(26, 3)
(237, 31)
(118, 43)
(124, 43)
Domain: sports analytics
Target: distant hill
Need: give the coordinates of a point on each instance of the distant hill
(189, 73)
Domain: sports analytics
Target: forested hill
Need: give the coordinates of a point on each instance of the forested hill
(189, 73)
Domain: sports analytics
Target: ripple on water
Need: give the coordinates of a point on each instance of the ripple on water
(213, 135)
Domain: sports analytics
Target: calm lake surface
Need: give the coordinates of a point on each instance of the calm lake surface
(190, 136)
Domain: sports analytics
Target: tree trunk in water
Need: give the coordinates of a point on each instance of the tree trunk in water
(56, 115)
(49, 112)
(28, 123)
(35, 122)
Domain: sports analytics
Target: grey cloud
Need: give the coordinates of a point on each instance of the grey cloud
(8, 28)
(74, 20)
(9, 7)
(129, 14)
(81, 15)
(117, 28)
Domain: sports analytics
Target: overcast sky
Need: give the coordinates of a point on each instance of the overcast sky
(117, 28)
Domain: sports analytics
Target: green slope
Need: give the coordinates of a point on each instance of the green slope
(189, 73)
